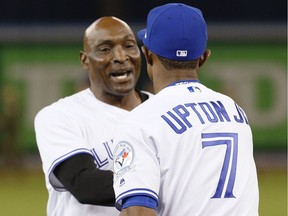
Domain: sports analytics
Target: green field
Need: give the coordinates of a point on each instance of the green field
(24, 193)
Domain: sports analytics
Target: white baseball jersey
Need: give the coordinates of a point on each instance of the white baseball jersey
(191, 149)
(76, 124)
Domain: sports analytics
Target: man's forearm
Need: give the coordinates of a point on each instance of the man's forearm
(137, 211)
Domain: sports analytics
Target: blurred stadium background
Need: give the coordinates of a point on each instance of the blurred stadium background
(39, 63)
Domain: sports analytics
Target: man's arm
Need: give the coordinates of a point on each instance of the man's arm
(138, 211)
(85, 182)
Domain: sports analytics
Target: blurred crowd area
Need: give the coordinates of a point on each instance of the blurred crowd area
(48, 11)
(39, 63)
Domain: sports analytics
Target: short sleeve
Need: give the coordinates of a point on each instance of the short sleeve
(58, 137)
(136, 168)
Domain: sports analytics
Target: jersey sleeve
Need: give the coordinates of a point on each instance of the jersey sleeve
(145, 201)
(136, 167)
(58, 137)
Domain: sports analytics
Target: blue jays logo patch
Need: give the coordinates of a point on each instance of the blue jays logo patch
(123, 157)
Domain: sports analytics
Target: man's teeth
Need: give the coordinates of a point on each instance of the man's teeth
(121, 76)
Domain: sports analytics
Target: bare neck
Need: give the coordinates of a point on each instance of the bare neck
(163, 78)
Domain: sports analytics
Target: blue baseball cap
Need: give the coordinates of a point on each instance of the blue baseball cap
(175, 31)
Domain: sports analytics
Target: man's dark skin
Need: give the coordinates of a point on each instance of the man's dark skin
(112, 59)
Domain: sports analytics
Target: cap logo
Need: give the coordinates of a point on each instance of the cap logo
(181, 53)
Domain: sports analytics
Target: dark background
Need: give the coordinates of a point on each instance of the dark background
(72, 11)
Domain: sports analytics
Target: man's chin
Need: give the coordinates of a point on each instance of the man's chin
(123, 91)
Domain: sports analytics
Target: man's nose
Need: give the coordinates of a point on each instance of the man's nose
(119, 54)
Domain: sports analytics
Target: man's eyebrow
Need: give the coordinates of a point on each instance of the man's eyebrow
(104, 41)
(129, 37)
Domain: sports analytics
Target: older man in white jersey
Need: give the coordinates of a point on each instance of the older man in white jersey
(75, 134)
(188, 150)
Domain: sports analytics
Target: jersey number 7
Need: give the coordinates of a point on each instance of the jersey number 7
(228, 171)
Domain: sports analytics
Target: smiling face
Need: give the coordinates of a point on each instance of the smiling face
(111, 57)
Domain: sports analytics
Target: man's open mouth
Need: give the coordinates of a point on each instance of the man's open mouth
(121, 75)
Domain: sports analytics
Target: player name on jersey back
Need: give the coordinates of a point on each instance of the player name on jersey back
(179, 117)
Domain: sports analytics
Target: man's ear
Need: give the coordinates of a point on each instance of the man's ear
(84, 60)
(204, 57)
(147, 55)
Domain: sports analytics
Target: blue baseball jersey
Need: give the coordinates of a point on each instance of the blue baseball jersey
(189, 148)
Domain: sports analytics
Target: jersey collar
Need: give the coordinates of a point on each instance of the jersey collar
(182, 82)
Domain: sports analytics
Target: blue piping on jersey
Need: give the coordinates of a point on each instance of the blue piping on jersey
(132, 193)
(145, 201)
(181, 82)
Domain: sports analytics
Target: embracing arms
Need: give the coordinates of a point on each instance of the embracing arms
(87, 183)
